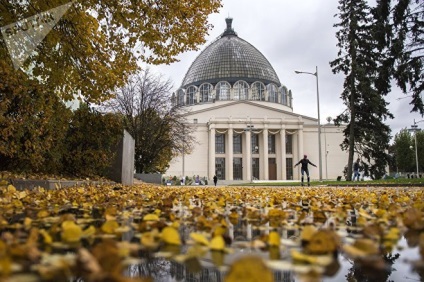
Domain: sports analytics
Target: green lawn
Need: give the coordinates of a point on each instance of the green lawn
(388, 182)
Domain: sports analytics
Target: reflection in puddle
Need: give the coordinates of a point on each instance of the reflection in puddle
(171, 235)
(215, 265)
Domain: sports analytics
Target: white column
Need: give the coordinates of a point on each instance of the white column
(299, 147)
(229, 155)
(249, 231)
(247, 161)
(283, 154)
(265, 169)
(300, 143)
(211, 151)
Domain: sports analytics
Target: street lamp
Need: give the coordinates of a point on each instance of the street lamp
(401, 98)
(249, 128)
(255, 150)
(329, 119)
(415, 128)
(183, 168)
(319, 125)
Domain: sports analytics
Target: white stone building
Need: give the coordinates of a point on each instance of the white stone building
(244, 122)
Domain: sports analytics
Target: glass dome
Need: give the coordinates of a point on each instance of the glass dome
(230, 58)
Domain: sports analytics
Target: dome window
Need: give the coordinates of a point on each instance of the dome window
(191, 95)
(283, 93)
(272, 93)
(223, 91)
(241, 90)
(205, 92)
(258, 91)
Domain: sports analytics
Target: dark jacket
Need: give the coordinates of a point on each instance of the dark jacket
(356, 166)
(305, 163)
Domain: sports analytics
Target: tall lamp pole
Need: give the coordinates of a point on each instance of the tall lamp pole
(415, 128)
(249, 128)
(183, 155)
(326, 149)
(319, 124)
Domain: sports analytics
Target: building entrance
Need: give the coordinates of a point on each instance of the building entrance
(272, 169)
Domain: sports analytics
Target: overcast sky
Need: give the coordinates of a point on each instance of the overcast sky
(293, 35)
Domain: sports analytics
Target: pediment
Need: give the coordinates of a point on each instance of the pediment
(242, 110)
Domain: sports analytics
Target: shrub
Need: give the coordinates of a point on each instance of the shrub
(91, 141)
(33, 122)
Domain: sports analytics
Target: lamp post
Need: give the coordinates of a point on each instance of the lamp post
(400, 98)
(255, 150)
(329, 119)
(183, 163)
(319, 125)
(415, 128)
(249, 128)
(183, 168)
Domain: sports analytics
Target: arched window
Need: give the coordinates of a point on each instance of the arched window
(283, 92)
(258, 91)
(191, 95)
(272, 93)
(290, 99)
(180, 97)
(241, 90)
(205, 91)
(223, 91)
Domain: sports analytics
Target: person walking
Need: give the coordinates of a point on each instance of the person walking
(356, 170)
(215, 179)
(304, 168)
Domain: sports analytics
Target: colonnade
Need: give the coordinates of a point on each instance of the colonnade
(282, 154)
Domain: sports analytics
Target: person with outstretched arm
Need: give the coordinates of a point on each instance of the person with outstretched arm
(304, 167)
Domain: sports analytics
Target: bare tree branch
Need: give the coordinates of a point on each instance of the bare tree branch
(160, 130)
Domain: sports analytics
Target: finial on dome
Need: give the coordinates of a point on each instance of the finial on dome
(229, 21)
(229, 30)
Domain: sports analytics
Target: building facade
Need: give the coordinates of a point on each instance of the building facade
(243, 119)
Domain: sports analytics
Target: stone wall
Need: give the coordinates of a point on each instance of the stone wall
(155, 178)
(51, 184)
(122, 169)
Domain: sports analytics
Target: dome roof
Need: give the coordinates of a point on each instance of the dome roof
(230, 58)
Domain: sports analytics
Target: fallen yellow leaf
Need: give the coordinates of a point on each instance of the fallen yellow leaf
(199, 238)
(110, 226)
(274, 239)
(89, 231)
(171, 236)
(217, 243)
(249, 269)
(71, 232)
(151, 217)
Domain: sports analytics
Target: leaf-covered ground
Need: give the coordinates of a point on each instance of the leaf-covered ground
(100, 233)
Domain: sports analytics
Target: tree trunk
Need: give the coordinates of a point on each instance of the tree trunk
(352, 117)
(351, 135)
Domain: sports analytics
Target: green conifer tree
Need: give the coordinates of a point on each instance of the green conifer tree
(404, 37)
(360, 60)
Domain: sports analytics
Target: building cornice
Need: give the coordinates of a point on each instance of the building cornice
(252, 103)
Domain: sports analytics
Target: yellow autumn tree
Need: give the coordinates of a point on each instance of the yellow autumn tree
(33, 123)
(97, 43)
